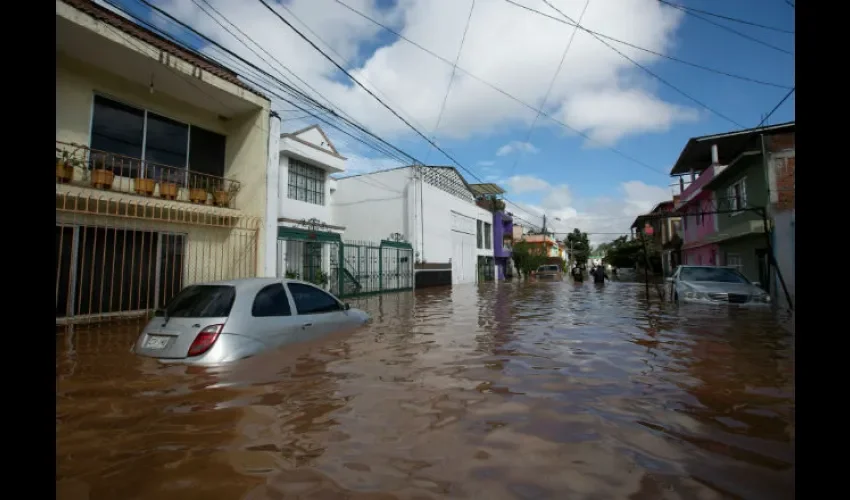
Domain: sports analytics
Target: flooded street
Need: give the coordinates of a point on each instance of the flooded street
(498, 391)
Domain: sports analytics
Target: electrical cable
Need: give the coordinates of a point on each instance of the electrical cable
(652, 73)
(727, 28)
(506, 94)
(271, 77)
(551, 84)
(727, 18)
(451, 79)
(659, 54)
(254, 82)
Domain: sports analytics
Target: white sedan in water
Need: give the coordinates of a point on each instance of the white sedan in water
(213, 323)
(715, 285)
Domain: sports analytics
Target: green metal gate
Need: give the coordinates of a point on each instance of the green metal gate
(346, 269)
(370, 267)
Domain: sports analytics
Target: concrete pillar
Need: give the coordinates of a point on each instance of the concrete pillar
(272, 197)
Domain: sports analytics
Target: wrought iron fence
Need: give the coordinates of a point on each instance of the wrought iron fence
(122, 259)
(79, 165)
(346, 268)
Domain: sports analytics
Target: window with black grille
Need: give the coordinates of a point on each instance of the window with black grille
(306, 182)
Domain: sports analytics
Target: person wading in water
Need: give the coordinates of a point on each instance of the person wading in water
(577, 276)
(599, 275)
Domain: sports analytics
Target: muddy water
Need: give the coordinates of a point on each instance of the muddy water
(541, 390)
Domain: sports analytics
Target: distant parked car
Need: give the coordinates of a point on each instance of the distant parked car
(549, 272)
(213, 323)
(715, 285)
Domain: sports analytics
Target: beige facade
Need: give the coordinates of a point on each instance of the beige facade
(101, 56)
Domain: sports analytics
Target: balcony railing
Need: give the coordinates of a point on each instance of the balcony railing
(697, 184)
(81, 166)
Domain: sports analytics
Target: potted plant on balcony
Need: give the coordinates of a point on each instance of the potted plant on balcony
(198, 193)
(223, 197)
(101, 176)
(168, 186)
(65, 164)
(144, 184)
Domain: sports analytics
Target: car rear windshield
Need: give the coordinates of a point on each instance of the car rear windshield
(201, 301)
(715, 274)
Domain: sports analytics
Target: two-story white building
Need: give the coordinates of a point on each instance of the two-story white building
(299, 208)
(431, 207)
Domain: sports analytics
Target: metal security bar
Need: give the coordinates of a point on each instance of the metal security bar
(78, 165)
(117, 258)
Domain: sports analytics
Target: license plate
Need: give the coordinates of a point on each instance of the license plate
(156, 342)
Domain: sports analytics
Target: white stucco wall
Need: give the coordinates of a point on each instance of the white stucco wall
(372, 207)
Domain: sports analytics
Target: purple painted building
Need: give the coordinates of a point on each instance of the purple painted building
(503, 235)
(487, 197)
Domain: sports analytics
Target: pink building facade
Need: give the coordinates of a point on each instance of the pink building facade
(697, 248)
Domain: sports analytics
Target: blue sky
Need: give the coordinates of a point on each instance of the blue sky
(587, 185)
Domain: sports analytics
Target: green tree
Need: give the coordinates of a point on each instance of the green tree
(578, 246)
(624, 252)
(527, 258)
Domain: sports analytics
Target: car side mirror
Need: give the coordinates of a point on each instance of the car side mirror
(347, 306)
(756, 283)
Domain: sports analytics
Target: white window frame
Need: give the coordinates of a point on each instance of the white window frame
(730, 193)
(291, 162)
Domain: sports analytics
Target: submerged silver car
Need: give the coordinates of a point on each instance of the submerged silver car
(715, 285)
(213, 323)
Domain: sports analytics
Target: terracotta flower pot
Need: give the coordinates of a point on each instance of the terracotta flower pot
(145, 186)
(102, 178)
(222, 198)
(168, 190)
(64, 172)
(198, 195)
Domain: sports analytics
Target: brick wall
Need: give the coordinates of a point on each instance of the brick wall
(785, 183)
(779, 142)
(783, 169)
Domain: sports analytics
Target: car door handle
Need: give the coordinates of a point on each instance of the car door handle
(306, 326)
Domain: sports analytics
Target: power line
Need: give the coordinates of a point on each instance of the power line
(727, 18)
(791, 4)
(651, 73)
(355, 80)
(271, 92)
(505, 93)
(659, 54)
(727, 28)
(451, 78)
(551, 84)
(283, 85)
(349, 117)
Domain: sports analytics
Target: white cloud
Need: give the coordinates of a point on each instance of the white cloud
(515, 50)
(486, 163)
(517, 147)
(526, 184)
(597, 215)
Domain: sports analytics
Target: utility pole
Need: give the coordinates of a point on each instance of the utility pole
(544, 224)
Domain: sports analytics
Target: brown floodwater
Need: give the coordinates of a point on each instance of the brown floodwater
(498, 391)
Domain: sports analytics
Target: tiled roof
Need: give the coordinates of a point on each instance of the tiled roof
(105, 15)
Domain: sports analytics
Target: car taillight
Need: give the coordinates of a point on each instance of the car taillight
(205, 339)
